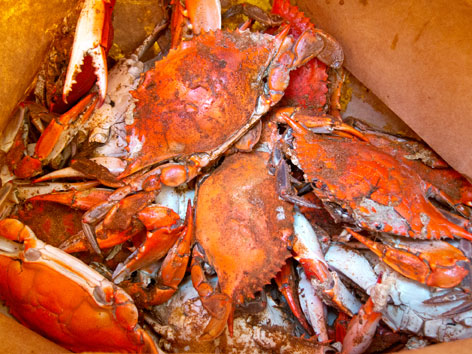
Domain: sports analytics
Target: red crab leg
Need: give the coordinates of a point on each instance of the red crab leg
(361, 329)
(463, 222)
(218, 305)
(307, 251)
(285, 280)
(162, 235)
(92, 37)
(118, 225)
(172, 269)
(48, 143)
(121, 205)
(114, 165)
(82, 200)
(340, 327)
(331, 53)
(433, 264)
(177, 23)
(335, 102)
(105, 239)
(317, 123)
(175, 264)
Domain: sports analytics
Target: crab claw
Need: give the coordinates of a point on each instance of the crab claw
(434, 263)
(55, 137)
(162, 234)
(191, 17)
(307, 251)
(172, 270)
(92, 37)
(285, 280)
(218, 305)
(361, 329)
(221, 314)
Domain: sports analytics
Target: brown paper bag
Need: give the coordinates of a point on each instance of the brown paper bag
(416, 56)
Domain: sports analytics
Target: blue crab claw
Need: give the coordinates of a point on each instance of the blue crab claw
(93, 37)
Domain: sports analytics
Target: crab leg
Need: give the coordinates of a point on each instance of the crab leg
(316, 123)
(117, 210)
(55, 137)
(335, 101)
(361, 329)
(92, 37)
(340, 327)
(284, 186)
(285, 280)
(82, 200)
(119, 225)
(313, 307)
(331, 52)
(13, 140)
(308, 252)
(172, 270)
(431, 263)
(255, 13)
(161, 236)
(218, 305)
(114, 165)
(10, 133)
(308, 86)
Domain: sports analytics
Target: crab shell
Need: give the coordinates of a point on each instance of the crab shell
(242, 224)
(308, 86)
(63, 299)
(202, 97)
(379, 191)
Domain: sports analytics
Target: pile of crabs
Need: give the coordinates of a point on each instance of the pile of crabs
(214, 198)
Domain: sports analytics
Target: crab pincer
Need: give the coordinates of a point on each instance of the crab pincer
(171, 272)
(361, 329)
(92, 37)
(55, 137)
(286, 283)
(192, 17)
(434, 263)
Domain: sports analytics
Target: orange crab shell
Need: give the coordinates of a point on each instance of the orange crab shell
(199, 96)
(383, 193)
(52, 222)
(308, 86)
(242, 224)
(61, 298)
